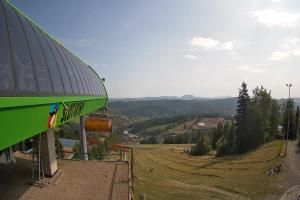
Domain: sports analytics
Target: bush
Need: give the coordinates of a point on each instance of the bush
(225, 145)
(59, 149)
(149, 140)
(202, 147)
(222, 147)
(96, 153)
(77, 151)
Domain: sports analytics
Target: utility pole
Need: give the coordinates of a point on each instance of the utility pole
(288, 125)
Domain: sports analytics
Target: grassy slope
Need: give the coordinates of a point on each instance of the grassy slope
(180, 128)
(177, 175)
(159, 127)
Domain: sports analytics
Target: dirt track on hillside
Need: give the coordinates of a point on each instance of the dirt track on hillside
(292, 162)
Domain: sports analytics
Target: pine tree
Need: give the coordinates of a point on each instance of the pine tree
(262, 100)
(274, 119)
(255, 130)
(289, 112)
(297, 122)
(217, 133)
(202, 147)
(240, 137)
(225, 143)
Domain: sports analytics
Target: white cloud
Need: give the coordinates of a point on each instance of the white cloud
(251, 69)
(272, 17)
(209, 43)
(275, 1)
(234, 55)
(190, 56)
(295, 52)
(290, 43)
(289, 49)
(293, 41)
(206, 43)
(279, 55)
(227, 45)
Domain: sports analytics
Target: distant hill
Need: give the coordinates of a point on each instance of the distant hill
(173, 107)
(184, 97)
(296, 100)
(168, 106)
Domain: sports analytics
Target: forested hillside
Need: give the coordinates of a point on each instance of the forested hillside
(168, 108)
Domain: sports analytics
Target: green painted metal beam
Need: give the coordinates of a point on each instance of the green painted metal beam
(24, 117)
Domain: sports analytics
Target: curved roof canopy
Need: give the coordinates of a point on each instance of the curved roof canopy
(42, 84)
(34, 64)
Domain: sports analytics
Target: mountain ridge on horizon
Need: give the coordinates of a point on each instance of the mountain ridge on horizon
(184, 97)
(167, 107)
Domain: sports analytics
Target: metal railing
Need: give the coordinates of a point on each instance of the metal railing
(125, 154)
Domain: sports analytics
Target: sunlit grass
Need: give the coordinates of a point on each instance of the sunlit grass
(177, 175)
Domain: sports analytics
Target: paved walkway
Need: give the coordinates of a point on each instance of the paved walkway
(76, 180)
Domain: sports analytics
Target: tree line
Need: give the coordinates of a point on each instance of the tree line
(149, 140)
(190, 137)
(255, 122)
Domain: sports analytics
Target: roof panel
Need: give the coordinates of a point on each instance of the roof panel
(52, 66)
(7, 85)
(76, 71)
(34, 63)
(82, 74)
(89, 81)
(69, 69)
(61, 67)
(24, 72)
(85, 76)
(44, 83)
(92, 80)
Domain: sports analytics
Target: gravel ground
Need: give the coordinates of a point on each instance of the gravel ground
(75, 180)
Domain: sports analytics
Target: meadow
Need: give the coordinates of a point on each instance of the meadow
(167, 172)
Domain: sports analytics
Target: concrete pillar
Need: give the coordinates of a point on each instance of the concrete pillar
(48, 154)
(83, 139)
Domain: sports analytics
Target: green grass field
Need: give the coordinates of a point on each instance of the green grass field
(177, 129)
(177, 175)
(183, 128)
(159, 127)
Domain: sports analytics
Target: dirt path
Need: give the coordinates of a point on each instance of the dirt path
(293, 163)
(291, 170)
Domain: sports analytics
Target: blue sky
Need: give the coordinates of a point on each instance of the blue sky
(177, 47)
